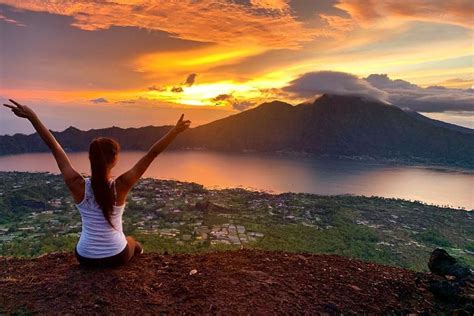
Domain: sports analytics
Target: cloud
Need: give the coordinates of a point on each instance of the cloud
(190, 80)
(431, 99)
(312, 84)
(8, 20)
(381, 87)
(459, 83)
(221, 97)
(456, 12)
(339, 23)
(243, 105)
(382, 81)
(99, 100)
(156, 88)
(126, 101)
(204, 21)
(230, 100)
(271, 4)
(176, 89)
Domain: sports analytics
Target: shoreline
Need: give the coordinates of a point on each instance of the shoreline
(401, 162)
(248, 189)
(37, 215)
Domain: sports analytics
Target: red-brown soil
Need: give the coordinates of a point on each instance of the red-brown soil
(235, 282)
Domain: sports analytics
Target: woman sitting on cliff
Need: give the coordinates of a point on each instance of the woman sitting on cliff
(100, 199)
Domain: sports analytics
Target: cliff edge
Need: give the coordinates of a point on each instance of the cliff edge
(236, 282)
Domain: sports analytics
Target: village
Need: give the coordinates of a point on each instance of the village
(161, 214)
(174, 216)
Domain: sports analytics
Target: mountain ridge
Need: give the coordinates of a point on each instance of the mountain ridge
(332, 125)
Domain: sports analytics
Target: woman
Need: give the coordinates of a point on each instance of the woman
(99, 199)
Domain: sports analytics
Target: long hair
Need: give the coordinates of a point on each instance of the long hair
(102, 153)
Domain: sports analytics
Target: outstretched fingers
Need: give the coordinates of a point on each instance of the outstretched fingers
(14, 102)
(182, 125)
(9, 106)
(19, 109)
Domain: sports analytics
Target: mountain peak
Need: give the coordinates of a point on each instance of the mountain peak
(72, 129)
(274, 104)
(346, 97)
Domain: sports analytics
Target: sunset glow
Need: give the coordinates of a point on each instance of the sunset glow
(222, 55)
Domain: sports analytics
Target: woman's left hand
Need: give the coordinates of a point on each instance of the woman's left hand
(21, 110)
(182, 124)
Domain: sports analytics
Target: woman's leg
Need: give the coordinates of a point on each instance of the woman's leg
(134, 247)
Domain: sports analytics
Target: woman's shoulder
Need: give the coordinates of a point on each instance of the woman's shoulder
(87, 194)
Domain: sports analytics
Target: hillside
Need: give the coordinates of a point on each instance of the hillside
(332, 125)
(237, 282)
(337, 126)
(175, 216)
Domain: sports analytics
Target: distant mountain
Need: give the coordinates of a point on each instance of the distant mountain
(332, 125)
(337, 125)
(440, 123)
(73, 139)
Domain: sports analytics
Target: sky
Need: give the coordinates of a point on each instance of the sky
(95, 64)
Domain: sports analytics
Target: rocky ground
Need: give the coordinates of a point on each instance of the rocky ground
(235, 282)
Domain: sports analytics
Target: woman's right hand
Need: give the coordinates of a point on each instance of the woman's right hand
(181, 125)
(21, 110)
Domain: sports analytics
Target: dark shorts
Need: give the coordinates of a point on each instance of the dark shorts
(131, 249)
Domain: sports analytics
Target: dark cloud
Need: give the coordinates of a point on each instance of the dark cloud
(436, 88)
(382, 81)
(12, 21)
(177, 89)
(309, 10)
(99, 100)
(398, 92)
(39, 52)
(222, 97)
(312, 84)
(156, 88)
(431, 99)
(190, 79)
(127, 101)
(229, 99)
(243, 105)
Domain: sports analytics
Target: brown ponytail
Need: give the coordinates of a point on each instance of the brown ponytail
(102, 153)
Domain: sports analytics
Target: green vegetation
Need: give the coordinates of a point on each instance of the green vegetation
(434, 238)
(37, 216)
(470, 247)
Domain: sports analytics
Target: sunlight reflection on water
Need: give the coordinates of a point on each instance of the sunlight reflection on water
(276, 173)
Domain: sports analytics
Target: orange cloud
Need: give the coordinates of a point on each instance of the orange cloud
(271, 4)
(338, 23)
(456, 12)
(206, 21)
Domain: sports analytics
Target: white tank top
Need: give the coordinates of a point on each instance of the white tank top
(99, 239)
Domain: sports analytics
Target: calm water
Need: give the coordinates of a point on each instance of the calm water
(282, 174)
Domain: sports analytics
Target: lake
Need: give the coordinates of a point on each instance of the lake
(279, 173)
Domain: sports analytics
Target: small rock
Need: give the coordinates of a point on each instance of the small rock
(193, 271)
(355, 287)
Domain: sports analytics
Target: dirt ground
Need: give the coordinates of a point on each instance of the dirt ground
(235, 282)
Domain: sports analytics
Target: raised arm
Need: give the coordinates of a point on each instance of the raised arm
(129, 178)
(74, 181)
